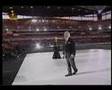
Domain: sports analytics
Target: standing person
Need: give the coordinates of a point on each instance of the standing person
(56, 54)
(69, 52)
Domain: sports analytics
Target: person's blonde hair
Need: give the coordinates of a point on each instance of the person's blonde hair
(56, 39)
(67, 33)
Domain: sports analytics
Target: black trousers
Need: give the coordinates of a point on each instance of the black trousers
(70, 63)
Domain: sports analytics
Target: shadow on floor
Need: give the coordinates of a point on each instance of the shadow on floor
(88, 72)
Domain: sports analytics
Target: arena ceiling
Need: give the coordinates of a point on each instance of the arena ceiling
(56, 10)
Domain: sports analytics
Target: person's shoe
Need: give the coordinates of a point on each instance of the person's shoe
(75, 71)
(68, 74)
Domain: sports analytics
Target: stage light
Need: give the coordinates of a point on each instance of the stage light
(38, 46)
(53, 21)
(45, 29)
(109, 27)
(50, 45)
(37, 29)
(42, 20)
(99, 28)
(31, 6)
(73, 8)
(48, 7)
(34, 20)
(7, 29)
(22, 7)
(99, 11)
(15, 34)
(90, 28)
(10, 7)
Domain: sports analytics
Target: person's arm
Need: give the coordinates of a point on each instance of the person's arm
(54, 47)
(73, 48)
(63, 50)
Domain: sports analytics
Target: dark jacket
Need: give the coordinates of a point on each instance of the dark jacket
(69, 47)
(56, 54)
(56, 47)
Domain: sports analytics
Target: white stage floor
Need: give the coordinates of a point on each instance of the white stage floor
(94, 68)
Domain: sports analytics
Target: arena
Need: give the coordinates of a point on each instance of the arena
(29, 34)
